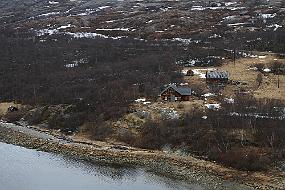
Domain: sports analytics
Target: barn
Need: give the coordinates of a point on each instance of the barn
(219, 77)
(174, 93)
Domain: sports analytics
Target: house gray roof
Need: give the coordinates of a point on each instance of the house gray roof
(182, 90)
(217, 75)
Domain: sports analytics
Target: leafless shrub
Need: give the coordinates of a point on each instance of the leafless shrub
(277, 67)
(259, 66)
(14, 116)
(246, 159)
(259, 79)
(180, 106)
(98, 131)
(125, 135)
(216, 135)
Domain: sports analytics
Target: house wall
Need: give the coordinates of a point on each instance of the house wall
(185, 98)
(168, 93)
(166, 96)
(216, 80)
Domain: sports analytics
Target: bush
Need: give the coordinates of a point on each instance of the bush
(97, 131)
(36, 115)
(277, 67)
(259, 66)
(217, 137)
(14, 116)
(248, 158)
(125, 135)
(66, 122)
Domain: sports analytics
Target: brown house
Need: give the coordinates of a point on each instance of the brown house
(174, 93)
(219, 77)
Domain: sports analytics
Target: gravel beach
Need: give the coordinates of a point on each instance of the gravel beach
(190, 169)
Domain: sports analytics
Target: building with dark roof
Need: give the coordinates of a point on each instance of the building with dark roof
(176, 93)
(217, 77)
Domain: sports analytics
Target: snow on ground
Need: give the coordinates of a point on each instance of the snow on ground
(231, 17)
(53, 2)
(252, 68)
(209, 94)
(87, 12)
(215, 36)
(183, 40)
(213, 106)
(140, 100)
(49, 14)
(266, 16)
(71, 65)
(230, 3)
(91, 35)
(190, 62)
(227, 7)
(113, 29)
(198, 8)
(238, 24)
(267, 70)
(275, 26)
(202, 72)
(103, 7)
(256, 115)
(43, 32)
(229, 100)
(184, 71)
(110, 21)
(64, 27)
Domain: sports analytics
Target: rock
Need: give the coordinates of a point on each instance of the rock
(143, 114)
(283, 167)
(168, 113)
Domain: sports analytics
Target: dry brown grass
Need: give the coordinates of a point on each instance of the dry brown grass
(5, 105)
(240, 71)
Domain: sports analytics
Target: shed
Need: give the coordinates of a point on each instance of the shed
(217, 77)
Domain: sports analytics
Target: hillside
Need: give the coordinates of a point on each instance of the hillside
(94, 71)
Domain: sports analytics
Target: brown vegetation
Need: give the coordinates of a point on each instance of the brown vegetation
(244, 140)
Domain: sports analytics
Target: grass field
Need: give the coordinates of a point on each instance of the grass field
(242, 71)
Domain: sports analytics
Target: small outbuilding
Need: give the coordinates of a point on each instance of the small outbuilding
(174, 93)
(190, 73)
(219, 77)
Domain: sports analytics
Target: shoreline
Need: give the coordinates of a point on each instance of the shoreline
(189, 169)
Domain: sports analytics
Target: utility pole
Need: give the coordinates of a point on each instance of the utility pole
(278, 80)
(234, 57)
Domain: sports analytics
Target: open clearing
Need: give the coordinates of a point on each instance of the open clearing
(243, 71)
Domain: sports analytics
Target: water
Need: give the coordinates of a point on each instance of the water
(26, 169)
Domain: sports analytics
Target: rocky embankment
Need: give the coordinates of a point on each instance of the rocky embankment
(193, 170)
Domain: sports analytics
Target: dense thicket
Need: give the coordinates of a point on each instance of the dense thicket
(246, 137)
(100, 75)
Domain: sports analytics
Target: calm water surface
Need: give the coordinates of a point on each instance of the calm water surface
(25, 169)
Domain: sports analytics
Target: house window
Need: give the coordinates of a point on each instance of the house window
(176, 98)
(165, 98)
